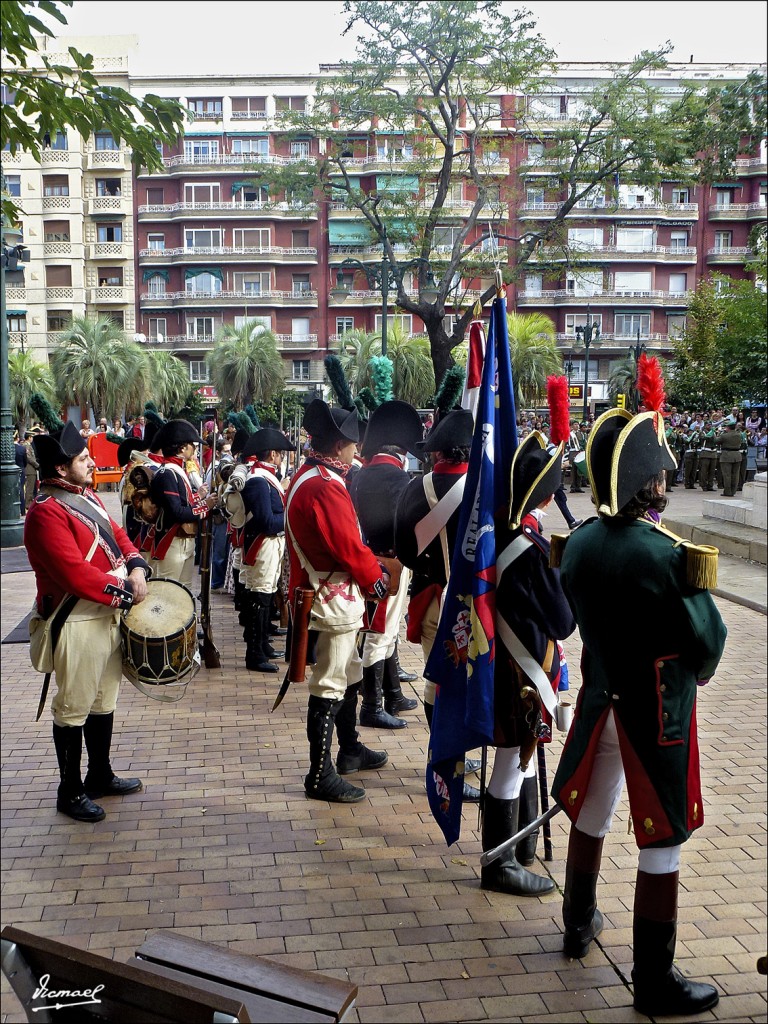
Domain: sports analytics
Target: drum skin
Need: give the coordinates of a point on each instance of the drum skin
(159, 635)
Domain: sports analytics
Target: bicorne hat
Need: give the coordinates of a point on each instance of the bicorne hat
(536, 474)
(174, 433)
(130, 444)
(265, 440)
(330, 424)
(392, 423)
(55, 449)
(454, 430)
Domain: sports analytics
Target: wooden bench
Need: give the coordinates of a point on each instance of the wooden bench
(40, 970)
(270, 992)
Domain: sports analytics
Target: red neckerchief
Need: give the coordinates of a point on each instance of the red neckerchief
(383, 459)
(450, 468)
(325, 460)
(66, 486)
(254, 461)
(174, 460)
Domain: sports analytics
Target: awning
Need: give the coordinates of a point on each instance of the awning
(342, 232)
(397, 183)
(15, 312)
(726, 184)
(216, 272)
(237, 186)
(149, 274)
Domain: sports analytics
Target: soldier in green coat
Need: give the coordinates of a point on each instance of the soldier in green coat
(651, 636)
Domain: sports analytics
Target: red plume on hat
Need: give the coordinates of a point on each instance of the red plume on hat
(559, 412)
(650, 383)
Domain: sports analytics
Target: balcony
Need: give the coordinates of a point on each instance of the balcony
(341, 211)
(185, 211)
(249, 115)
(229, 298)
(564, 297)
(366, 297)
(182, 342)
(241, 254)
(56, 292)
(751, 165)
(616, 340)
(729, 254)
(111, 206)
(738, 211)
(624, 254)
(108, 159)
(54, 157)
(205, 115)
(223, 161)
(302, 343)
(13, 294)
(17, 339)
(9, 159)
(110, 294)
(109, 251)
(73, 203)
(588, 209)
(57, 248)
(366, 253)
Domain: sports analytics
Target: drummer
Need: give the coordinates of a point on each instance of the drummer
(85, 566)
(575, 452)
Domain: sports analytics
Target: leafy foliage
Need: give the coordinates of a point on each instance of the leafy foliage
(245, 365)
(26, 377)
(534, 356)
(169, 382)
(284, 408)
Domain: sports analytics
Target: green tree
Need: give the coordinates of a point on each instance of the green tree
(533, 355)
(428, 74)
(169, 381)
(52, 96)
(356, 349)
(95, 366)
(621, 379)
(245, 365)
(413, 377)
(26, 376)
(283, 408)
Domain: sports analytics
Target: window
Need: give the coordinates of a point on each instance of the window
(156, 242)
(678, 239)
(155, 196)
(632, 281)
(534, 284)
(158, 329)
(535, 152)
(344, 324)
(445, 237)
(202, 193)
(724, 196)
(628, 324)
(201, 327)
(110, 277)
(635, 239)
(762, 198)
(299, 239)
(574, 320)
(544, 106)
(203, 284)
(262, 323)
(300, 328)
(55, 230)
(198, 371)
(678, 284)
(723, 239)
(104, 140)
(250, 194)
(202, 238)
(55, 185)
(290, 103)
(117, 316)
(585, 238)
(251, 238)
(157, 285)
(109, 232)
(301, 284)
(13, 184)
(59, 319)
(635, 195)
(300, 369)
(258, 283)
(490, 109)
(201, 150)
(300, 149)
(17, 324)
(587, 282)
(534, 197)
(252, 147)
(108, 186)
(210, 106)
(249, 107)
(681, 195)
(676, 325)
(58, 277)
(403, 320)
(595, 198)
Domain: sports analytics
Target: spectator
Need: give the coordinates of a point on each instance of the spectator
(86, 431)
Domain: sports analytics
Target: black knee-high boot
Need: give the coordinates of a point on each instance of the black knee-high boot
(583, 921)
(255, 658)
(660, 989)
(100, 780)
(322, 781)
(525, 851)
(353, 755)
(500, 822)
(71, 798)
(395, 702)
(265, 606)
(372, 713)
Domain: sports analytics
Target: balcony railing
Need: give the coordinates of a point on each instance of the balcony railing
(57, 248)
(737, 210)
(630, 250)
(728, 252)
(247, 298)
(245, 250)
(598, 207)
(604, 297)
(249, 115)
(223, 206)
(612, 337)
(231, 159)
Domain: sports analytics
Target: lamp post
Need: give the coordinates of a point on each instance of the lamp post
(568, 368)
(381, 278)
(636, 351)
(587, 335)
(11, 525)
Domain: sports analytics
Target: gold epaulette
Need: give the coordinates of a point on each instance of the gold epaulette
(557, 544)
(701, 560)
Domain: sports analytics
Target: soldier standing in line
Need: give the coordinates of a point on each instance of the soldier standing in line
(691, 457)
(707, 457)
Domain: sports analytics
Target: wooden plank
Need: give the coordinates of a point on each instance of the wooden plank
(265, 1009)
(128, 996)
(250, 973)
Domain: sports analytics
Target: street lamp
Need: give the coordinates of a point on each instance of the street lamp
(11, 526)
(587, 335)
(381, 278)
(636, 351)
(568, 368)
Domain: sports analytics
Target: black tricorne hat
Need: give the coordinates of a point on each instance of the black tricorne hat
(321, 421)
(536, 474)
(55, 449)
(174, 433)
(453, 430)
(130, 444)
(392, 423)
(265, 440)
(238, 441)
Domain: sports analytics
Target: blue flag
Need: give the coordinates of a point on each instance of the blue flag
(463, 657)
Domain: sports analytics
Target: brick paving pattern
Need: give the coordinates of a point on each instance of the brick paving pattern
(222, 845)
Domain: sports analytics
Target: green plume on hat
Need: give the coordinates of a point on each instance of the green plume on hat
(338, 381)
(45, 413)
(253, 416)
(368, 399)
(450, 390)
(244, 422)
(382, 372)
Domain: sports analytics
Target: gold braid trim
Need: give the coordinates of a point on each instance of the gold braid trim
(701, 567)
(557, 544)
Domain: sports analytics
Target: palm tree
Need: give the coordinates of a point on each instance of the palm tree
(414, 375)
(95, 366)
(621, 380)
(245, 364)
(356, 348)
(534, 355)
(25, 377)
(170, 381)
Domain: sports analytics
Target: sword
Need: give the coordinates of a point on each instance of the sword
(498, 851)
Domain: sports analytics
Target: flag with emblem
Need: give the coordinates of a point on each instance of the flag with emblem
(474, 375)
(462, 660)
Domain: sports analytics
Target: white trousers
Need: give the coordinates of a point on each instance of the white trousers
(337, 665)
(88, 663)
(429, 626)
(380, 646)
(507, 776)
(178, 564)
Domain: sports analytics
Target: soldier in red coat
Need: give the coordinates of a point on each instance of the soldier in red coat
(327, 552)
(87, 571)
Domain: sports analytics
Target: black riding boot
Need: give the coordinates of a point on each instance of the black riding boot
(353, 755)
(394, 700)
(100, 780)
(71, 798)
(525, 851)
(322, 782)
(265, 606)
(372, 713)
(247, 611)
(500, 822)
(402, 675)
(240, 592)
(660, 989)
(255, 658)
(583, 921)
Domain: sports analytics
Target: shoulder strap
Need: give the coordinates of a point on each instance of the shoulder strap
(440, 511)
(86, 508)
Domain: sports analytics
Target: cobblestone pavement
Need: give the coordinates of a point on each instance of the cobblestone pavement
(223, 845)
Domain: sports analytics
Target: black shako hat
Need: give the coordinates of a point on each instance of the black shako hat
(174, 433)
(454, 430)
(392, 423)
(130, 444)
(55, 449)
(266, 440)
(536, 474)
(328, 424)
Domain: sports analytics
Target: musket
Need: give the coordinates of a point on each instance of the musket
(208, 650)
(297, 667)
